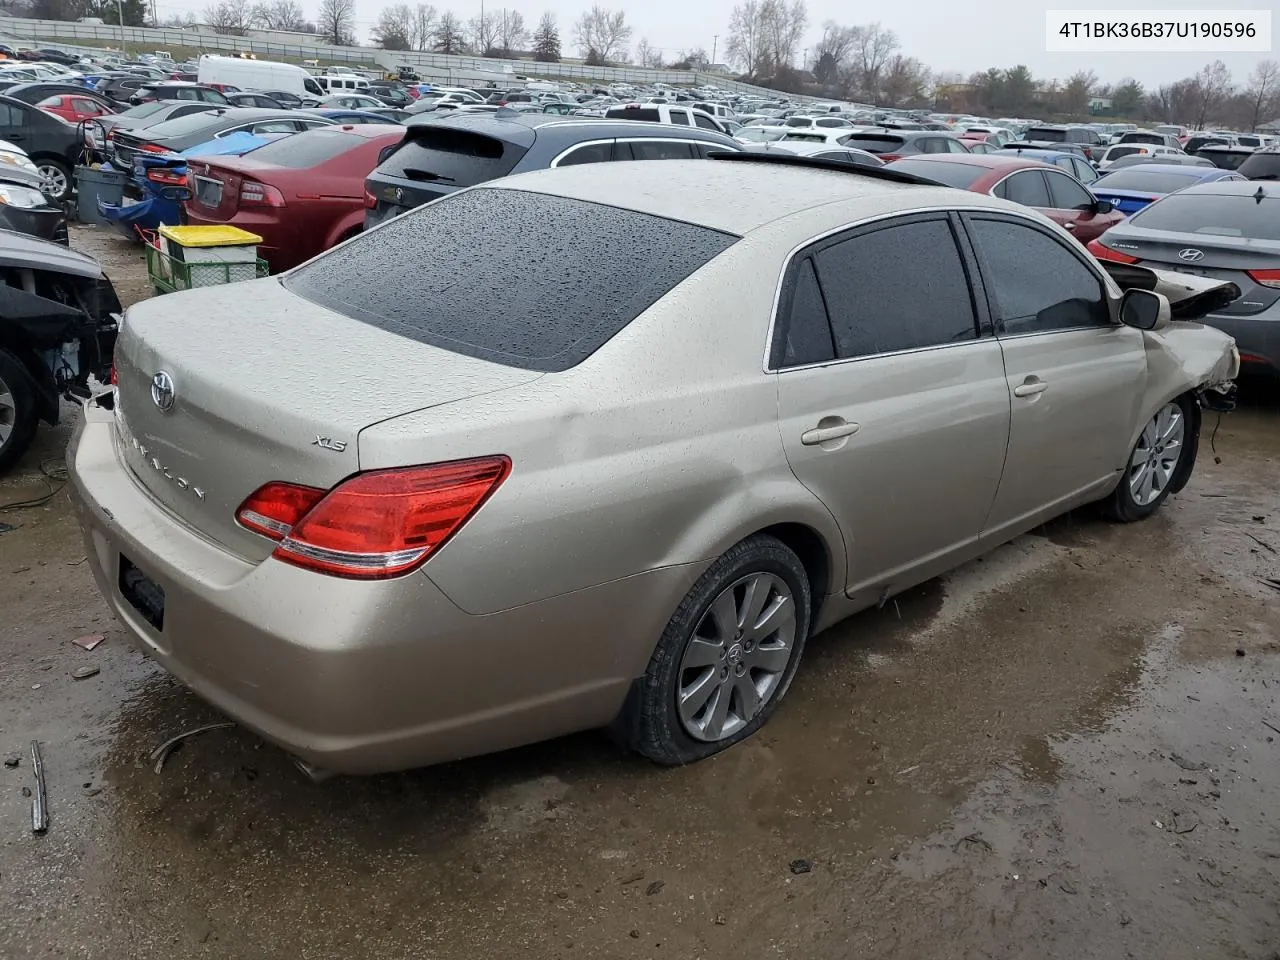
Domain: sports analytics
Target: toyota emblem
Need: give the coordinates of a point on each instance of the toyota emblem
(162, 392)
(1191, 255)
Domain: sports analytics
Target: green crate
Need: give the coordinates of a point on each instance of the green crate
(167, 274)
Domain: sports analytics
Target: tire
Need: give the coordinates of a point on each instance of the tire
(697, 653)
(1155, 467)
(18, 415)
(57, 176)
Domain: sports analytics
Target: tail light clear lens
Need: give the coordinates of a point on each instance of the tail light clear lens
(1266, 278)
(1102, 252)
(375, 525)
(254, 194)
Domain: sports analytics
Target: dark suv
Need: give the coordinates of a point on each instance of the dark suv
(438, 157)
(1088, 138)
(178, 90)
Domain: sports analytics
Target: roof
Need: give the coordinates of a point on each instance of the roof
(991, 161)
(711, 193)
(1204, 173)
(1235, 188)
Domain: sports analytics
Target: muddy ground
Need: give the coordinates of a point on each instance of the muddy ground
(1066, 749)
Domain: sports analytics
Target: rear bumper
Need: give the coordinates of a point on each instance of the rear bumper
(359, 677)
(1257, 338)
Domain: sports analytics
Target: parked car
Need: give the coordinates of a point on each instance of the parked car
(180, 133)
(39, 91)
(1229, 231)
(1055, 193)
(57, 329)
(356, 116)
(1155, 137)
(53, 145)
(749, 134)
(120, 87)
(1196, 141)
(438, 157)
(1122, 150)
(996, 136)
(256, 100)
(1170, 159)
(302, 194)
(978, 146)
(820, 151)
(1225, 157)
(348, 101)
(393, 95)
(890, 145)
(1069, 160)
(664, 113)
(74, 108)
(1261, 165)
(24, 208)
(1089, 139)
(103, 129)
(380, 597)
(176, 90)
(264, 76)
(286, 99)
(1133, 188)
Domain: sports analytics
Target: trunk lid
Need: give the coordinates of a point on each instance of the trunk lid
(215, 189)
(263, 385)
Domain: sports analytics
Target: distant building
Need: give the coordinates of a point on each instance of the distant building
(1099, 104)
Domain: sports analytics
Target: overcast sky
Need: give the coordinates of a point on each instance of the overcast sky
(945, 34)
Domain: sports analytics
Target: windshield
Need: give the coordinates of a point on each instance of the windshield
(1217, 216)
(1145, 181)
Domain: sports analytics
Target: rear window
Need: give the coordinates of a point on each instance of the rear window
(1216, 216)
(632, 113)
(874, 143)
(308, 149)
(558, 308)
(962, 175)
(461, 158)
(181, 126)
(1048, 134)
(1143, 138)
(1138, 180)
(1115, 153)
(1261, 166)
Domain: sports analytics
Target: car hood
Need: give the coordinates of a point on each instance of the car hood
(18, 251)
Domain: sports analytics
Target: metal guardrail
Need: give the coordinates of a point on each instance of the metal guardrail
(103, 36)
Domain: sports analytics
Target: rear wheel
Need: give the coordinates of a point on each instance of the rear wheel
(17, 410)
(1155, 463)
(57, 179)
(726, 658)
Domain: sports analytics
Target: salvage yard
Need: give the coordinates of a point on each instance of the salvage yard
(1067, 748)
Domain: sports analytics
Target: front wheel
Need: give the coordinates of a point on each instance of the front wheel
(18, 414)
(1156, 462)
(726, 658)
(56, 179)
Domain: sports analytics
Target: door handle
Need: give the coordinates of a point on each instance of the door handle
(1030, 387)
(835, 429)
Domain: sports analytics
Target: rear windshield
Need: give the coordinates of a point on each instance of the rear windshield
(1115, 153)
(562, 303)
(1261, 166)
(1143, 138)
(962, 175)
(463, 158)
(1216, 216)
(1139, 180)
(1048, 134)
(308, 149)
(631, 113)
(874, 143)
(181, 126)
(146, 109)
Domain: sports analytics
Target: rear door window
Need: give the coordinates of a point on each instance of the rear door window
(680, 117)
(1066, 194)
(1027, 188)
(587, 153)
(470, 302)
(705, 122)
(803, 333)
(659, 150)
(462, 158)
(900, 287)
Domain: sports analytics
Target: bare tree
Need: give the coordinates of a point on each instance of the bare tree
(546, 40)
(1263, 90)
(872, 48)
(1214, 82)
(448, 35)
(482, 32)
(1077, 92)
(513, 34)
(394, 27)
(647, 55)
(279, 15)
(905, 82)
(423, 30)
(337, 21)
(831, 52)
(784, 27)
(604, 33)
(746, 45)
(229, 16)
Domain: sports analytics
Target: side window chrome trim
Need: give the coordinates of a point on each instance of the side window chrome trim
(592, 143)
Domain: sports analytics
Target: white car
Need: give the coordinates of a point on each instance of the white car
(1114, 153)
(679, 115)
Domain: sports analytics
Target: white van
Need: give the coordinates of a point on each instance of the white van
(336, 83)
(257, 75)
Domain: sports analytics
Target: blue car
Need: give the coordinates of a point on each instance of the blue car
(1132, 188)
(1072, 162)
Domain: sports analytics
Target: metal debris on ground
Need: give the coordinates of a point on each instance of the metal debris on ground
(161, 753)
(801, 865)
(89, 641)
(1262, 543)
(84, 673)
(12, 762)
(1270, 726)
(40, 803)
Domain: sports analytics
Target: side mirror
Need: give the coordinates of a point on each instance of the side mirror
(1144, 310)
(1103, 206)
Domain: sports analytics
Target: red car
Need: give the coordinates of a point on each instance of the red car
(73, 109)
(302, 194)
(1054, 192)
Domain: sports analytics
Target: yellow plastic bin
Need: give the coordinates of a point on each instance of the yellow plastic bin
(189, 257)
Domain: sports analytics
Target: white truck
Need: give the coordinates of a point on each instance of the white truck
(257, 75)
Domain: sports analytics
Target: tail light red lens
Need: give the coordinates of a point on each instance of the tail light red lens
(1266, 278)
(273, 510)
(375, 525)
(1102, 252)
(370, 201)
(253, 194)
(166, 177)
(115, 380)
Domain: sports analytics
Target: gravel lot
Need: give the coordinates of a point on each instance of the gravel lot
(1066, 749)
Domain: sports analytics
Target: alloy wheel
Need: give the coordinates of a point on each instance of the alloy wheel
(8, 413)
(54, 181)
(736, 658)
(1156, 455)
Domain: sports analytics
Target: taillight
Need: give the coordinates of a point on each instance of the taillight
(273, 509)
(153, 148)
(374, 525)
(890, 157)
(1102, 252)
(115, 380)
(370, 201)
(254, 194)
(1266, 278)
(167, 177)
